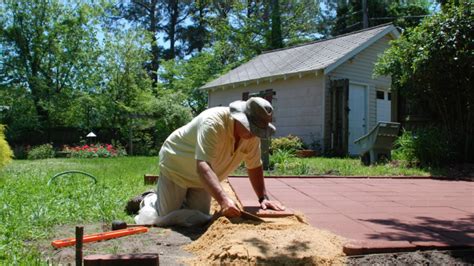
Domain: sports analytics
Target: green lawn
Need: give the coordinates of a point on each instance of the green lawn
(341, 167)
(30, 208)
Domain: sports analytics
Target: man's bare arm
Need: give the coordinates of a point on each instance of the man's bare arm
(258, 184)
(213, 186)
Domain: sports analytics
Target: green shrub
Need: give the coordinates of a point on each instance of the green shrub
(44, 151)
(299, 167)
(280, 157)
(290, 144)
(20, 152)
(5, 151)
(143, 144)
(425, 147)
(404, 149)
(282, 162)
(172, 115)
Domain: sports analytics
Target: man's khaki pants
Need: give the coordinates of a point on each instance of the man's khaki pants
(175, 205)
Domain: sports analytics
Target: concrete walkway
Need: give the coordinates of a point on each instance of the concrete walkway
(378, 215)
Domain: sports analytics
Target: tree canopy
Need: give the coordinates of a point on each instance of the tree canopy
(401, 13)
(115, 65)
(431, 66)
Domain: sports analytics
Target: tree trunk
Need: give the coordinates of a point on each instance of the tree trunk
(276, 39)
(201, 24)
(266, 23)
(173, 21)
(155, 50)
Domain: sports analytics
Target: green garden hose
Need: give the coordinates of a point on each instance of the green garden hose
(72, 172)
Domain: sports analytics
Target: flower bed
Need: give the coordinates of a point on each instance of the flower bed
(94, 151)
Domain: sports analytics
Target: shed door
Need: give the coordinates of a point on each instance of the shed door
(384, 104)
(357, 115)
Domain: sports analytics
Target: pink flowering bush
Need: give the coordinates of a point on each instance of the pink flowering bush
(94, 151)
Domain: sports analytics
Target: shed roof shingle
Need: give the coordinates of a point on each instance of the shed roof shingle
(303, 58)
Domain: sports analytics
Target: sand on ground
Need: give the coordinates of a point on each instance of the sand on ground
(282, 241)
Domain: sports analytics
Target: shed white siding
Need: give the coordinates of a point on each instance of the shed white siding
(359, 70)
(298, 104)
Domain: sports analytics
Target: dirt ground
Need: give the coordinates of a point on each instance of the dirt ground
(433, 257)
(181, 246)
(278, 241)
(167, 242)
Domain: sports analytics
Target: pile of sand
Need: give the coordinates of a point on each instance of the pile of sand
(282, 241)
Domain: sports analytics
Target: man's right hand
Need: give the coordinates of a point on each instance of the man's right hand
(229, 208)
(213, 186)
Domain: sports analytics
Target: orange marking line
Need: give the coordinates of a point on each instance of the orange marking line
(99, 236)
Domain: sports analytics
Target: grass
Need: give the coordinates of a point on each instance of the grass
(30, 209)
(343, 167)
(289, 165)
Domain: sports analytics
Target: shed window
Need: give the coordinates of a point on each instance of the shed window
(389, 96)
(380, 95)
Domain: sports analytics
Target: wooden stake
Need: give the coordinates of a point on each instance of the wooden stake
(79, 236)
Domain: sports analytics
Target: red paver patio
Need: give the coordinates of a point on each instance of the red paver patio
(377, 215)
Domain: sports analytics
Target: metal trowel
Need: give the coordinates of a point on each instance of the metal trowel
(249, 216)
(243, 214)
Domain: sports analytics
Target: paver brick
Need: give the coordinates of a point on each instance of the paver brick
(314, 210)
(383, 215)
(359, 247)
(268, 213)
(145, 259)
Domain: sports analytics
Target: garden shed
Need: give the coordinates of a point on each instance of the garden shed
(323, 92)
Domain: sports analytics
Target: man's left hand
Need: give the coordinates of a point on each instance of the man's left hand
(272, 204)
